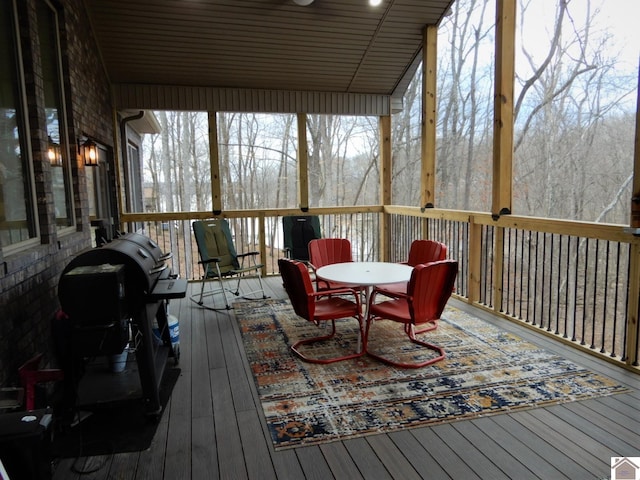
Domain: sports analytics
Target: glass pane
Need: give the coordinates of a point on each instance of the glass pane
(406, 138)
(16, 209)
(258, 164)
(58, 150)
(343, 160)
(175, 164)
(465, 106)
(576, 90)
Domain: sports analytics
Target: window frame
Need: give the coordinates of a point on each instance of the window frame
(24, 129)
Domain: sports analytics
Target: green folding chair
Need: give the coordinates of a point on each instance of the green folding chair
(219, 260)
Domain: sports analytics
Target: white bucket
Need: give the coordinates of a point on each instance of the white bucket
(174, 330)
(118, 362)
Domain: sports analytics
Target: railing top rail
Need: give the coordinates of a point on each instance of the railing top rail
(268, 212)
(601, 231)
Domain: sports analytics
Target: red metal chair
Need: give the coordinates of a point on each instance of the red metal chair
(318, 308)
(428, 292)
(425, 251)
(31, 374)
(327, 251)
(420, 252)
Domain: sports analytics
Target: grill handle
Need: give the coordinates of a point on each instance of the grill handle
(157, 269)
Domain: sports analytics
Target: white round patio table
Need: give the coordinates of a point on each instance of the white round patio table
(365, 274)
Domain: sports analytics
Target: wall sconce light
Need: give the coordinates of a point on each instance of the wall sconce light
(54, 153)
(89, 152)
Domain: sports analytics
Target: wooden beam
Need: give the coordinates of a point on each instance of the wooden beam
(428, 123)
(303, 163)
(384, 124)
(635, 195)
(214, 159)
(634, 306)
(634, 268)
(474, 274)
(503, 107)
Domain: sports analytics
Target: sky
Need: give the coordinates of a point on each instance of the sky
(618, 17)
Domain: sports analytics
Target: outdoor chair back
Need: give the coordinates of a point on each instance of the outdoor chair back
(298, 231)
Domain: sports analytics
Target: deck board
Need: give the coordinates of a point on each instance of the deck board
(393, 459)
(552, 455)
(449, 459)
(473, 457)
(492, 450)
(339, 461)
(213, 426)
(417, 454)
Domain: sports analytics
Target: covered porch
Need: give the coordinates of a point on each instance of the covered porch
(572, 287)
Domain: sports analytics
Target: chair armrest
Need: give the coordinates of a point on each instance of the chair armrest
(210, 260)
(334, 291)
(247, 254)
(338, 291)
(388, 293)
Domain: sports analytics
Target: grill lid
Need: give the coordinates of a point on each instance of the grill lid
(142, 268)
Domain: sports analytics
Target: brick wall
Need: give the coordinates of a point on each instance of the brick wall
(29, 278)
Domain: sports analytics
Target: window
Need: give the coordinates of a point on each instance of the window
(343, 160)
(134, 179)
(17, 222)
(48, 33)
(407, 146)
(176, 169)
(575, 100)
(465, 106)
(258, 164)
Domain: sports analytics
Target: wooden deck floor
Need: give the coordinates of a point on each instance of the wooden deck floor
(212, 427)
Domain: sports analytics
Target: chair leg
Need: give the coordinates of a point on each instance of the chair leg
(249, 295)
(221, 290)
(31, 375)
(411, 333)
(323, 361)
(428, 327)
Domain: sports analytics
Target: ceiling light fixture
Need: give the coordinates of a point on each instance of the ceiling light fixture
(303, 3)
(375, 3)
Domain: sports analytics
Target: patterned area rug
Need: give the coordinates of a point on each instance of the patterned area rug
(486, 371)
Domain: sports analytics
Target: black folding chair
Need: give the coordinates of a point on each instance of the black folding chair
(298, 231)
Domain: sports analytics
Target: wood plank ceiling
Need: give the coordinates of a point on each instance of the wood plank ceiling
(343, 46)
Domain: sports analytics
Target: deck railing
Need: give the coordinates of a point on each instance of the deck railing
(574, 281)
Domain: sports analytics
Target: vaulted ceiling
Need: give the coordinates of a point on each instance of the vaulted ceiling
(343, 46)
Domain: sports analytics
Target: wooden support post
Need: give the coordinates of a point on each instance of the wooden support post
(503, 107)
(214, 159)
(634, 306)
(498, 268)
(303, 163)
(428, 124)
(384, 123)
(634, 268)
(475, 261)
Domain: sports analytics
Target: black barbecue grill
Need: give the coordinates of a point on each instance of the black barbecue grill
(112, 294)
